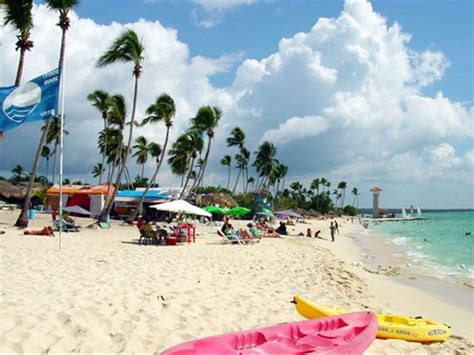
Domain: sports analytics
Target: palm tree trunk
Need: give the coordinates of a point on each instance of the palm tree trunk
(182, 180)
(206, 158)
(158, 166)
(54, 163)
(143, 170)
(104, 152)
(19, 71)
(128, 178)
(189, 175)
(108, 207)
(236, 181)
(47, 168)
(22, 220)
(228, 178)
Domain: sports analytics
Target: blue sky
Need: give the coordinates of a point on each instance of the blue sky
(336, 85)
(254, 30)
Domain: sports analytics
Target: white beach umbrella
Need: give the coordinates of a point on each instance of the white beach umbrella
(181, 206)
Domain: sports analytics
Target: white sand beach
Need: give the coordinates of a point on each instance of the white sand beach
(105, 293)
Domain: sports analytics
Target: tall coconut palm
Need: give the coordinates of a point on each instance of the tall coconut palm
(342, 186)
(236, 138)
(117, 116)
(251, 180)
(355, 192)
(226, 161)
(156, 152)
(63, 7)
(184, 152)
(53, 136)
(97, 170)
(206, 120)
(46, 154)
(18, 14)
(142, 152)
(126, 48)
(100, 100)
(162, 110)
(264, 161)
(245, 156)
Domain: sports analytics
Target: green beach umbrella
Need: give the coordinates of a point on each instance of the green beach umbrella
(238, 211)
(214, 209)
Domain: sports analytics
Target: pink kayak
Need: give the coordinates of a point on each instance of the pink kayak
(344, 334)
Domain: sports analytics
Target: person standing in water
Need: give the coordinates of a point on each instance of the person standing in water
(332, 227)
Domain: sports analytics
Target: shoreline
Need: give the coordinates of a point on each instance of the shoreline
(384, 256)
(105, 293)
(407, 290)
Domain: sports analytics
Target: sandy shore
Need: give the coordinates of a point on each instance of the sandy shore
(105, 293)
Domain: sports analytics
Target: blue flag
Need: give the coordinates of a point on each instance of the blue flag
(35, 100)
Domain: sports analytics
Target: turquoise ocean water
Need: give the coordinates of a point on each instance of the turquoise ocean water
(439, 241)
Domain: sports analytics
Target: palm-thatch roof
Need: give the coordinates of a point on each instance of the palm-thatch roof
(10, 191)
(220, 199)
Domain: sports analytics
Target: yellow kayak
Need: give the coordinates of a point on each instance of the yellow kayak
(390, 326)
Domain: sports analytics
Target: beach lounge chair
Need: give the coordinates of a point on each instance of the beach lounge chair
(231, 238)
(66, 226)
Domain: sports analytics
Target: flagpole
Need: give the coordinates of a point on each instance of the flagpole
(61, 144)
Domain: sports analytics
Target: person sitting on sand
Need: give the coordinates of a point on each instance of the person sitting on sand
(316, 234)
(282, 229)
(309, 233)
(147, 230)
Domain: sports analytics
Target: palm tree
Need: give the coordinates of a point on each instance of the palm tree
(17, 172)
(226, 161)
(156, 152)
(280, 172)
(323, 182)
(53, 136)
(183, 154)
(342, 186)
(97, 170)
(245, 156)
(251, 180)
(206, 120)
(337, 196)
(126, 48)
(236, 138)
(63, 7)
(355, 192)
(163, 110)
(264, 161)
(101, 101)
(18, 14)
(142, 151)
(115, 149)
(46, 153)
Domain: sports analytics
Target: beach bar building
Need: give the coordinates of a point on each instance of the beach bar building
(126, 201)
(91, 198)
(375, 205)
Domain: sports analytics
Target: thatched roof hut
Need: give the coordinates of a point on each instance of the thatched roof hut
(220, 199)
(9, 191)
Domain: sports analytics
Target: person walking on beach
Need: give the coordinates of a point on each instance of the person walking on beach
(332, 227)
(336, 226)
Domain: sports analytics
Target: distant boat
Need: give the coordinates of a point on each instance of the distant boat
(404, 213)
(418, 211)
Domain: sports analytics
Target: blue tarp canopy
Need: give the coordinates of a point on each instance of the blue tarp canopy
(137, 194)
